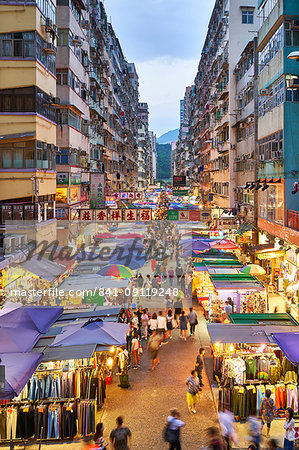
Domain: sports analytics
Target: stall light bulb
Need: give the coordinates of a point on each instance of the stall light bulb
(110, 362)
(217, 344)
(112, 349)
(231, 348)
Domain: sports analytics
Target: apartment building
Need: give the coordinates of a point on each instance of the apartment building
(27, 113)
(213, 107)
(278, 115)
(146, 147)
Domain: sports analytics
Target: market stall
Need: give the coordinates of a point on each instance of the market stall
(66, 392)
(247, 362)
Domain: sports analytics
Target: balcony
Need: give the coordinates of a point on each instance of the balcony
(96, 107)
(293, 219)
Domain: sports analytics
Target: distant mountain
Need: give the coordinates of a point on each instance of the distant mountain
(169, 137)
(163, 161)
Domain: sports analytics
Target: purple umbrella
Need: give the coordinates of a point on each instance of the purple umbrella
(17, 340)
(200, 245)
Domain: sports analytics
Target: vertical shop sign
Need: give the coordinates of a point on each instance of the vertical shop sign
(97, 190)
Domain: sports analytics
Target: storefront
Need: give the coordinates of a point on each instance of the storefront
(247, 362)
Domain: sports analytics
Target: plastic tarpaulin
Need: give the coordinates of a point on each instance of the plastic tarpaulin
(19, 367)
(289, 345)
(38, 318)
(99, 332)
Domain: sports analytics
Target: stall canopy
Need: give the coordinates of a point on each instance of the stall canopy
(44, 268)
(247, 334)
(36, 318)
(17, 340)
(95, 332)
(236, 282)
(263, 319)
(289, 345)
(19, 367)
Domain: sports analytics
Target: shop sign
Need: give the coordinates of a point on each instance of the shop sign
(97, 190)
(270, 255)
(116, 215)
(227, 224)
(172, 215)
(2, 378)
(86, 215)
(62, 178)
(211, 198)
(130, 215)
(183, 215)
(292, 256)
(75, 194)
(245, 238)
(61, 195)
(123, 195)
(145, 215)
(75, 178)
(194, 216)
(180, 192)
(101, 215)
(126, 195)
(216, 234)
(138, 195)
(179, 180)
(131, 195)
(62, 213)
(205, 215)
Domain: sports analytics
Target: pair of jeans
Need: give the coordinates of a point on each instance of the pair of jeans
(53, 422)
(288, 445)
(11, 423)
(40, 422)
(192, 328)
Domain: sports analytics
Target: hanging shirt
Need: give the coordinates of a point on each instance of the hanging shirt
(250, 368)
(263, 369)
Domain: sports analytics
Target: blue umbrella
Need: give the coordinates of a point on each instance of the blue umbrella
(129, 259)
(200, 245)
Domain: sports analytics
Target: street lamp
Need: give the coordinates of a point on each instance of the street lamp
(294, 55)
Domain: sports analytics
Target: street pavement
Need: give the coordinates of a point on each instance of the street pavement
(146, 404)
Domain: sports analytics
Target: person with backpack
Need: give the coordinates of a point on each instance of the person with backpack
(172, 430)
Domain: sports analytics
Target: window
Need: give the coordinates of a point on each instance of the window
(247, 16)
(22, 155)
(29, 99)
(67, 117)
(291, 36)
(274, 97)
(271, 147)
(271, 203)
(273, 46)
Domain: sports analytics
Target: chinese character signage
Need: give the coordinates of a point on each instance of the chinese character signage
(172, 215)
(145, 215)
(179, 180)
(131, 196)
(86, 215)
(97, 190)
(124, 195)
(101, 215)
(227, 224)
(130, 214)
(183, 215)
(138, 195)
(116, 215)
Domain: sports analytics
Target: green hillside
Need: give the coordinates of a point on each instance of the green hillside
(164, 161)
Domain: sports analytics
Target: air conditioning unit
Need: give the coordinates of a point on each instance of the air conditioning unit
(240, 97)
(262, 157)
(295, 24)
(56, 101)
(250, 119)
(294, 83)
(76, 39)
(85, 24)
(93, 83)
(242, 125)
(277, 154)
(250, 84)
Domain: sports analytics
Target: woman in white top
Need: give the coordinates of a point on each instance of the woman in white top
(135, 350)
(289, 426)
(153, 323)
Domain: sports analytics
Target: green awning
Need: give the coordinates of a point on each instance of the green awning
(263, 319)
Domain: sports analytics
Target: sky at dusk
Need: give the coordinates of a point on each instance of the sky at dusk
(164, 38)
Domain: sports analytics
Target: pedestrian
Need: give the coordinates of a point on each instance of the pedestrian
(177, 307)
(153, 323)
(199, 365)
(192, 317)
(228, 308)
(161, 324)
(129, 338)
(267, 411)
(148, 288)
(122, 318)
(227, 422)
(215, 441)
(121, 436)
(171, 276)
(255, 431)
(183, 325)
(169, 320)
(144, 324)
(139, 314)
(139, 282)
(153, 347)
(175, 424)
(193, 388)
(135, 321)
(98, 437)
(135, 350)
(289, 426)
